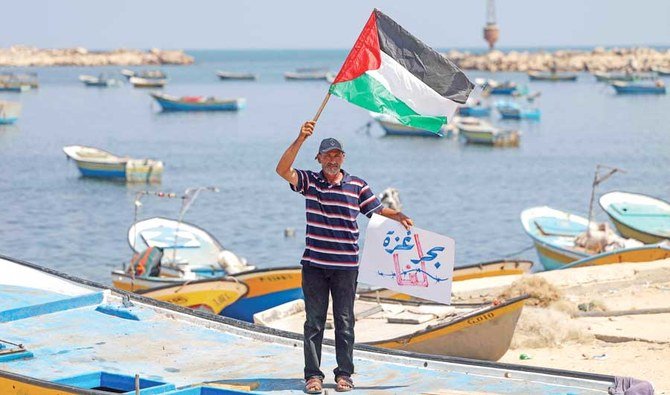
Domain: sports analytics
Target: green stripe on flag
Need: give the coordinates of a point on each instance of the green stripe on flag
(368, 93)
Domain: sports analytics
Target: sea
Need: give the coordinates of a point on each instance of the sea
(473, 194)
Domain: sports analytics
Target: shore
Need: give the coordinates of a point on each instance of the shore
(587, 319)
(22, 56)
(599, 59)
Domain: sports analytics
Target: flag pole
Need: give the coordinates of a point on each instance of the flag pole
(323, 104)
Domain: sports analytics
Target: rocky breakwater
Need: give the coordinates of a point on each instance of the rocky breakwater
(21, 56)
(598, 59)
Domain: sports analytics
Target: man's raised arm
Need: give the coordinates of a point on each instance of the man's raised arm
(285, 166)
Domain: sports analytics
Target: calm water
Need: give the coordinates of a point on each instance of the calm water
(54, 217)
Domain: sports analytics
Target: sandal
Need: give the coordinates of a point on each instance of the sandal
(314, 385)
(344, 384)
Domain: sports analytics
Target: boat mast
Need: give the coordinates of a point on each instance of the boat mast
(597, 180)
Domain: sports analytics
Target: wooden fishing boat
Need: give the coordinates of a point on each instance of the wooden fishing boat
(94, 162)
(513, 110)
(392, 127)
(197, 103)
(554, 77)
(623, 76)
(639, 88)
(211, 296)
(87, 338)
(502, 267)
(554, 234)
(9, 112)
(233, 75)
(139, 82)
(638, 216)
(267, 288)
(494, 87)
(476, 131)
(12, 86)
(483, 332)
(647, 253)
(100, 81)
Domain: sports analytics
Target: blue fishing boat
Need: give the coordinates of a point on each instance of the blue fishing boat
(513, 110)
(639, 88)
(623, 76)
(474, 111)
(638, 216)
(392, 127)
(87, 338)
(560, 237)
(9, 112)
(97, 163)
(502, 88)
(197, 103)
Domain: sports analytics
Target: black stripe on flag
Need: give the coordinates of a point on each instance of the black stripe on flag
(421, 60)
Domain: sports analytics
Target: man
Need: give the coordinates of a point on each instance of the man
(334, 198)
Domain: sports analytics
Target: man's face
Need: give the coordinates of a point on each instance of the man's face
(331, 161)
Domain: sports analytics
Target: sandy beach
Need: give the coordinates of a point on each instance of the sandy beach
(588, 319)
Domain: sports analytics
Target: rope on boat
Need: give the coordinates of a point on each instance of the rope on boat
(530, 247)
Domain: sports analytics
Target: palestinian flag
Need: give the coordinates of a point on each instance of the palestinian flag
(389, 71)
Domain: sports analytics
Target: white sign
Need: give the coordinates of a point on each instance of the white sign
(415, 262)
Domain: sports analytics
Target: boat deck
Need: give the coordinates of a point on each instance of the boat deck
(91, 330)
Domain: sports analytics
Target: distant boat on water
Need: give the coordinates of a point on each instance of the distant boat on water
(139, 82)
(555, 77)
(232, 75)
(513, 110)
(309, 74)
(146, 74)
(494, 87)
(197, 103)
(20, 79)
(101, 81)
(476, 131)
(9, 112)
(639, 88)
(94, 162)
(661, 71)
(392, 127)
(623, 76)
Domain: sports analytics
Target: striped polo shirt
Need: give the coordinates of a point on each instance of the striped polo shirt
(332, 231)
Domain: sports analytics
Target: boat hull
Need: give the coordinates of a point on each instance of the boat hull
(169, 105)
(523, 114)
(474, 111)
(552, 77)
(631, 255)
(483, 335)
(639, 90)
(267, 288)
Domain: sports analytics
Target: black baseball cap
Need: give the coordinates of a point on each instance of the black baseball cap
(329, 144)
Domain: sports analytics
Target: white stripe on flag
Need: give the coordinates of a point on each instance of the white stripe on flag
(411, 90)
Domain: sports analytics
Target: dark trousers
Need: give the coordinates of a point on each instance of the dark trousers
(317, 284)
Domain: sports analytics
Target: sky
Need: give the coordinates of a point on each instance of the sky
(314, 24)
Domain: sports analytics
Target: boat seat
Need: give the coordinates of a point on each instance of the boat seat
(640, 210)
(550, 226)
